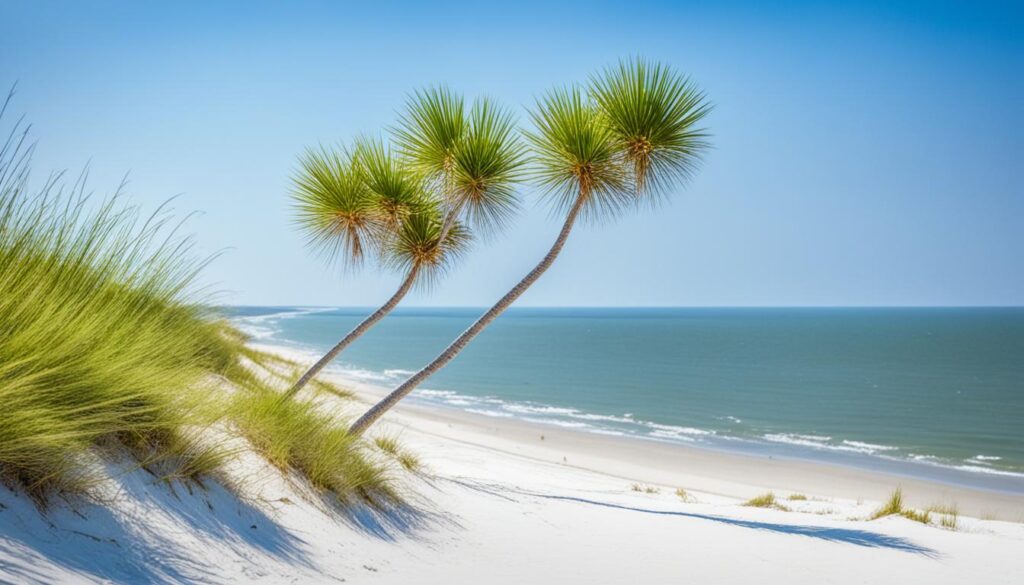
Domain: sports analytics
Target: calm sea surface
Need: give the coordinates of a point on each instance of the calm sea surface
(929, 392)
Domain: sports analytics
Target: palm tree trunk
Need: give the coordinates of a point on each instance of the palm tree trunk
(363, 327)
(453, 350)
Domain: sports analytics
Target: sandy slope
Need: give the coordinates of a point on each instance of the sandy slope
(497, 504)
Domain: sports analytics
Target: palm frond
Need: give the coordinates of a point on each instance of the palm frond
(333, 206)
(398, 190)
(430, 129)
(418, 244)
(488, 163)
(577, 154)
(654, 113)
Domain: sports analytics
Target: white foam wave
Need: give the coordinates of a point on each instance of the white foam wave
(867, 447)
(520, 408)
(559, 423)
(670, 435)
(795, 439)
(435, 393)
(494, 413)
(260, 327)
(363, 375)
(988, 470)
(672, 430)
(603, 417)
(986, 458)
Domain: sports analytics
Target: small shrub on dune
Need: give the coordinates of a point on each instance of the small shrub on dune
(894, 506)
(765, 500)
(685, 496)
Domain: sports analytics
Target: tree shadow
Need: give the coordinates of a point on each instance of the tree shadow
(865, 538)
(389, 519)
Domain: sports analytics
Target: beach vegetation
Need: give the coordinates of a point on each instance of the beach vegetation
(647, 489)
(596, 151)
(948, 515)
(301, 438)
(411, 208)
(106, 347)
(797, 497)
(685, 496)
(894, 506)
(766, 500)
(390, 445)
(111, 352)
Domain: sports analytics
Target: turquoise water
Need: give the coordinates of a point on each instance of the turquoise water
(922, 391)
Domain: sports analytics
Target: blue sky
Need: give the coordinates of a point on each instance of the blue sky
(871, 154)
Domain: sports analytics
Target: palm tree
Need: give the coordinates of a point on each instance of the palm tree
(629, 138)
(349, 204)
(451, 166)
(474, 160)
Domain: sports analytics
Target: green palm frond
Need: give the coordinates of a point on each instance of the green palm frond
(488, 164)
(654, 113)
(397, 189)
(333, 207)
(430, 129)
(577, 155)
(418, 244)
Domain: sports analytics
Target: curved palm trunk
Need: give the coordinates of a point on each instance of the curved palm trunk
(453, 350)
(363, 327)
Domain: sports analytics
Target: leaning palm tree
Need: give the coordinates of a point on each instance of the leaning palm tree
(351, 204)
(452, 166)
(628, 139)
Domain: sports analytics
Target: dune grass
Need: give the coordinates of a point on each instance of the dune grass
(297, 437)
(107, 350)
(894, 506)
(101, 344)
(797, 498)
(949, 515)
(685, 496)
(765, 500)
(390, 445)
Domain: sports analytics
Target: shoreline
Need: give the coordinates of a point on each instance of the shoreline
(699, 468)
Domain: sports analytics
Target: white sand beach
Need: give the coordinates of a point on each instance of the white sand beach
(500, 501)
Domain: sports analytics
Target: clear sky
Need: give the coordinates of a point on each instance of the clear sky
(871, 154)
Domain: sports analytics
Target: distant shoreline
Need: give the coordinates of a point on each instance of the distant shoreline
(897, 391)
(704, 468)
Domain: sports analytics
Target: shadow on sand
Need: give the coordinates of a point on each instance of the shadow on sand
(865, 538)
(138, 546)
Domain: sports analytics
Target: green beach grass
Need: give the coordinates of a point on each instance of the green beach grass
(108, 350)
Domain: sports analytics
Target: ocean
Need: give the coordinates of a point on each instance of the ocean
(928, 392)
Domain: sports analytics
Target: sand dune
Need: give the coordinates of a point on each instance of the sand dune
(496, 503)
